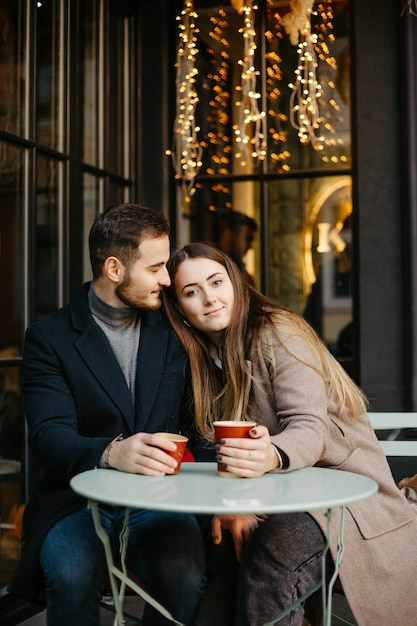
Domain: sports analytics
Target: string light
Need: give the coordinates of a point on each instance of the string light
(332, 148)
(217, 140)
(315, 109)
(186, 153)
(306, 90)
(249, 128)
(277, 119)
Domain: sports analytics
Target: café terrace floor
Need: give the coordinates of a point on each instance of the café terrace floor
(134, 606)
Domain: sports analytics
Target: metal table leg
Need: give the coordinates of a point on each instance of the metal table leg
(327, 589)
(121, 574)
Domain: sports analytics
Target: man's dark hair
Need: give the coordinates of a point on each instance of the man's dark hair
(119, 230)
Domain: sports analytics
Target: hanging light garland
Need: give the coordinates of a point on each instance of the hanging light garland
(306, 90)
(278, 133)
(217, 141)
(333, 82)
(186, 152)
(249, 128)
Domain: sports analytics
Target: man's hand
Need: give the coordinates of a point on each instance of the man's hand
(142, 453)
(240, 527)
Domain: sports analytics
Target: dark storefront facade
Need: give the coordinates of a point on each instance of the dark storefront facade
(88, 110)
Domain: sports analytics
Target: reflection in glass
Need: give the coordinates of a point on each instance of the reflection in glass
(310, 250)
(293, 188)
(11, 244)
(11, 422)
(48, 56)
(219, 88)
(117, 114)
(12, 437)
(91, 207)
(209, 209)
(12, 75)
(286, 151)
(116, 193)
(47, 241)
(91, 88)
(219, 62)
(11, 453)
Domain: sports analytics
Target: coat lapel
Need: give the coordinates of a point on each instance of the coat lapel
(99, 358)
(151, 359)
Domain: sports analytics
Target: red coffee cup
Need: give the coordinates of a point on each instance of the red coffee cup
(181, 443)
(230, 430)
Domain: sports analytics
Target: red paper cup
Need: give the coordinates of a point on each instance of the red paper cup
(181, 443)
(230, 430)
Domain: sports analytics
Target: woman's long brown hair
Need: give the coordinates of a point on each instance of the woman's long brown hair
(226, 396)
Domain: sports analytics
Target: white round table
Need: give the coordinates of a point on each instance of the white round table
(198, 488)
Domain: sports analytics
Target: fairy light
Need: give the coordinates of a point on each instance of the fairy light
(332, 148)
(217, 139)
(249, 127)
(277, 132)
(186, 153)
(305, 90)
(318, 126)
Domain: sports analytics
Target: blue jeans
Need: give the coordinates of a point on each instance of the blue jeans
(166, 552)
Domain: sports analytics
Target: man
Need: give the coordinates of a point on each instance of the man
(99, 377)
(236, 237)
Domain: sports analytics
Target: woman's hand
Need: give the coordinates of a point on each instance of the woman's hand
(248, 457)
(240, 527)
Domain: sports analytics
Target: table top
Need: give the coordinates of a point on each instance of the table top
(197, 488)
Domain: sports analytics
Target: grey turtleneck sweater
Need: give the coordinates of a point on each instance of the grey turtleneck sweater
(122, 329)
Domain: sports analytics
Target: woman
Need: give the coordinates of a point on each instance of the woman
(253, 359)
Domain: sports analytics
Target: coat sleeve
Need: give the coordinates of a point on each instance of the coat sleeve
(51, 413)
(300, 404)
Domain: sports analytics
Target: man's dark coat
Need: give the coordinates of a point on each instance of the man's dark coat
(77, 401)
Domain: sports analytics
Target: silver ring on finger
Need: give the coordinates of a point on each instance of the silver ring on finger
(250, 455)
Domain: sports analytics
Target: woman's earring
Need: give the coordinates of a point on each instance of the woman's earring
(187, 323)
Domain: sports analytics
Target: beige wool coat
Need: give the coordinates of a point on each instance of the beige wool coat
(379, 567)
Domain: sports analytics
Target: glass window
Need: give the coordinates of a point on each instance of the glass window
(92, 101)
(307, 88)
(12, 435)
(11, 453)
(219, 50)
(299, 91)
(238, 235)
(309, 244)
(49, 99)
(117, 113)
(92, 193)
(46, 238)
(117, 192)
(48, 196)
(12, 72)
(271, 95)
(11, 244)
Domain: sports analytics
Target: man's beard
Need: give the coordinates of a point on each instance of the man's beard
(127, 296)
